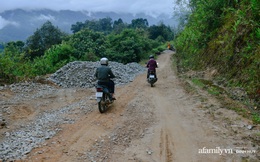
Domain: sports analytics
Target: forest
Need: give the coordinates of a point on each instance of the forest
(48, 49)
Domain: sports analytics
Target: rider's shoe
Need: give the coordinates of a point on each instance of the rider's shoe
(112, 97)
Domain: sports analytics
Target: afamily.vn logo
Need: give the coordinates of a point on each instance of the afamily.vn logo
(220, 151)
(216, 150)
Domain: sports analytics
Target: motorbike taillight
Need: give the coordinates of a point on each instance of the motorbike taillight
(99, 89)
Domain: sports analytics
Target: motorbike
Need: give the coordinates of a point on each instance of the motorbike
(151, 78)
(104, 98)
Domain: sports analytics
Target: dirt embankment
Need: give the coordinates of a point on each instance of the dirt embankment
(161, 123)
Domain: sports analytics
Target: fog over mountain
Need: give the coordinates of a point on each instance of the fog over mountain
(150, 7)
(19, 24)
(19, 19)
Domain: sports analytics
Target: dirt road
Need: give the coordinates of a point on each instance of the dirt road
(148, 124)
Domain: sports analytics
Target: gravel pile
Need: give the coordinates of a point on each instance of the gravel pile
(18, 143)
(81, 74)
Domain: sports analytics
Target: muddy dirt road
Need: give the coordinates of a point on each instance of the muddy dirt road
(146, 124)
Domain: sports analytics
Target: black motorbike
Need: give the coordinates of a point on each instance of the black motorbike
(104, 98)
(151, 78)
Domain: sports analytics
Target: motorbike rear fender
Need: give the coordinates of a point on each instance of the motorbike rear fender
(152, 80)
(99, 99)
(105, 90)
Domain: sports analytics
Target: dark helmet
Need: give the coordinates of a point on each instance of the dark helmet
(104, 61)
(151, 56)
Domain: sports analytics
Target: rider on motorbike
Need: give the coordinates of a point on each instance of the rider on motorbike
(103, 74)
(151, 65)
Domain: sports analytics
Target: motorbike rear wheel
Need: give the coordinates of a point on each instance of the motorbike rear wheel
(101, 107)
(103, 103)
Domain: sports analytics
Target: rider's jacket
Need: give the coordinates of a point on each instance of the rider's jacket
(104, 73)
(152, 64)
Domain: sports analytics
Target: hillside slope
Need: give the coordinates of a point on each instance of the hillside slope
(224, 36)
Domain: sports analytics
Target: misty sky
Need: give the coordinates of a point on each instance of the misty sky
(151, 7)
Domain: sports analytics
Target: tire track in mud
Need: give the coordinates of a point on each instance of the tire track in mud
(169, 153)
(166, 147)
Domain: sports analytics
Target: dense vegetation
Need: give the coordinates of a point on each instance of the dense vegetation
(223, 35)
(48, 48)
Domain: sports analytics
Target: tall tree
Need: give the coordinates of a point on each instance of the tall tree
(77, 27)
(88, 44)
(162, 30)
(43, 39)
(139, 23)
(119, 26)
(106, 24)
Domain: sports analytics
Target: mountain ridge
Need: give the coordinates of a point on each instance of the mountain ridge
(19, 24)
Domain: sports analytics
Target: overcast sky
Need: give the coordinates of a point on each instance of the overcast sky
(151, 7)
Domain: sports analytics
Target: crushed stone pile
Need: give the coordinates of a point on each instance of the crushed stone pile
(18, 143)
(81, 73)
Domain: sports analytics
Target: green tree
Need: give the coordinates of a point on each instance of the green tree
(119, 26)
(92, 25)
(53, 59)
(129, 46)
(16, 47)
(102, 25)
(12, 63)
(77, 27)
(161, 31)
(42, 39)
(106, 25)
(118, 22)
(139, 23)
(88, 45)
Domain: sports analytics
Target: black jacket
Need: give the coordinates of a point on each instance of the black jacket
(104, 73)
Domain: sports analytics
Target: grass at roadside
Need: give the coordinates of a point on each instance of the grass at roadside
(224, 97)
(193, 84)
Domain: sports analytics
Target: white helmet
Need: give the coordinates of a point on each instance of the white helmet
(104, 61)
